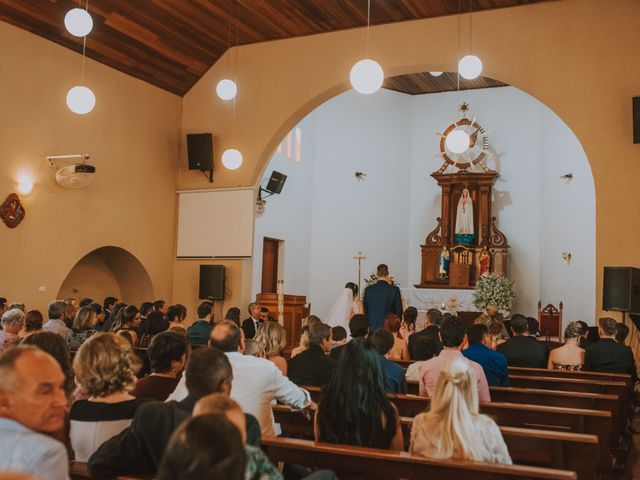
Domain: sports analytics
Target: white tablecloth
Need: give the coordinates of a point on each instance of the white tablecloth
(444, 299)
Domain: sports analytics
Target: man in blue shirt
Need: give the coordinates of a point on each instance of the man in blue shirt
(394, 379)
(32, 406)
(199, 332)
(493, 363)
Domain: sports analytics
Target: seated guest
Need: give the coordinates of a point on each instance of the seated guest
(584, 333)
(233, 314)
(394, 379)
(452, 332)
(33, 321)
(174, 317)
(607, 355)
(70, 310)
(168, 356)
(399, 350)
(534, 327)
(355, 409)
(155, 324)
(32, 408)
(314, 366)
(272, 338)
(622, 332)
(304, 334)
(251, 347)
(569, 356)
(183, 311)
(408, 327)
(108, 321)
(522, 350)
(207, 446)
(83, 327)
(160, 306)
(258, 465)
(199, 332)
(338, 336)
(12, 323)
(138, 449)
(493, 363)
(56, 346)
(494, 321)
(424, 349)
(105, 366)
(265, 316)
(251, 325)
(99, 316)
(19, 306)
(358, 328)
(85, 302)
(128, 320)
(453, 427)
(3, 305)
(433, 318)
(55, 323)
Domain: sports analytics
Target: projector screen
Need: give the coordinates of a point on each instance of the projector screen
(216, 223)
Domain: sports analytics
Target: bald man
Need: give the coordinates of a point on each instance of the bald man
(32, 404)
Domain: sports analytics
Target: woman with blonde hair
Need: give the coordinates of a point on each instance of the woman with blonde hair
(83, 327)
(105, 367)
(304, 335)
(272, 338)
(493, 319)
(569, 356)
(453, 426)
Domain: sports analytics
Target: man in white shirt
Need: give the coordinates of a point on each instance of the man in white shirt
(55, 323)
(256, 381)
(32, 403)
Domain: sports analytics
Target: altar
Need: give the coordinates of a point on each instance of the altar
(444, 299)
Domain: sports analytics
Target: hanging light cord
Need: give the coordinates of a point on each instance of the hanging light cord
(84, 48)
(458, 66)
(368, 24)
(470, 16)
(235, 98)
(229, 33)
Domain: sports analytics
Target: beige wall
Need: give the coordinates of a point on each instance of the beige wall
(576, 56)
(91, 277)
(132, 137)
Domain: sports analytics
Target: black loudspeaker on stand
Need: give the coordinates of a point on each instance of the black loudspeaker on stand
(212, 282)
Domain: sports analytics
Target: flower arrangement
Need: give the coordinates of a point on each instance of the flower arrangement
(496, 290)
(373, 278)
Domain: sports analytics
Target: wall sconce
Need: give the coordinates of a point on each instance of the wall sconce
(567, 177)
(25, 184)
(566, 256)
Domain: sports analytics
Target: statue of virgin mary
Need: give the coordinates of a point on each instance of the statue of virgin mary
(464, 232)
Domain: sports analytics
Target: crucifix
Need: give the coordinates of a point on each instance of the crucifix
(359, 257)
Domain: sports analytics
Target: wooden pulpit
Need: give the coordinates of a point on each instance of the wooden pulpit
(294, 309)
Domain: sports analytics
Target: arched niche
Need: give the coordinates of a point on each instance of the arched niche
(108, 271)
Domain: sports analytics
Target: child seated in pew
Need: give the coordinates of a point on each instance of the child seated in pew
(453, 426)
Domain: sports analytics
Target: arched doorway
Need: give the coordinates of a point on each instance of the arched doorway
(108, 271)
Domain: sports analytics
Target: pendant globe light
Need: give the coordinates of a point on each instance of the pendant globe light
(226, 89)
(470, 66)
(232, 157)
(366, 75)
(80, 98)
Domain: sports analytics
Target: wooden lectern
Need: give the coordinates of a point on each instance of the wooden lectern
(294, 310)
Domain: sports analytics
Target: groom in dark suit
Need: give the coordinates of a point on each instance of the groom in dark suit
(381, 299)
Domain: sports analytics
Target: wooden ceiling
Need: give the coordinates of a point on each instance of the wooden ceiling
(420, 83)
(172, 43)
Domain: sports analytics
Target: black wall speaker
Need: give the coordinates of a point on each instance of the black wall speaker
(621, 289)
(212, 282)
(200, 151)
(276, 182)
(636, 119)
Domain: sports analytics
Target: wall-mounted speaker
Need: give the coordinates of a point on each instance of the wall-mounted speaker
(200, 151)
(636, 119)
(276, 182)
(621, 289)
(212, 282)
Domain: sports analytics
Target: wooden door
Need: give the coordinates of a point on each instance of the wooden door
(270, 265)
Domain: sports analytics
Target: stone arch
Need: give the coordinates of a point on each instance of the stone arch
(108, 271)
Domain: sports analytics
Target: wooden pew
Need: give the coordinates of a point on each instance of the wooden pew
(562, 450)
(597, 376)
(369, 463)
(78, 471)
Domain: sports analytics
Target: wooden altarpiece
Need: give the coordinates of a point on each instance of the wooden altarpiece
(466, 262)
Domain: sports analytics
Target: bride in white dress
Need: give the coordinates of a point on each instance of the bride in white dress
(347, 305)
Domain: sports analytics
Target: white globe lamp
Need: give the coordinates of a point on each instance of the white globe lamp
(232, 159)
(435, 74)
(78, 22)
(366, 76)
(470, 67)
(457, 141)
(81, 100)
(226, 89)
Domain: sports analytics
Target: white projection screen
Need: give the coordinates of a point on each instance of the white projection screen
(216, 223)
